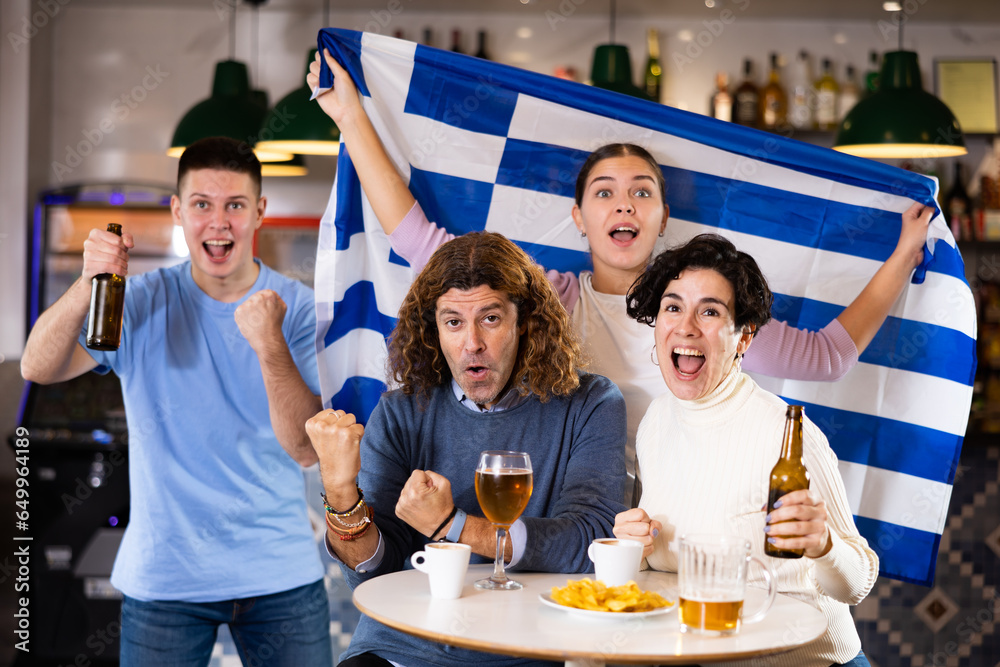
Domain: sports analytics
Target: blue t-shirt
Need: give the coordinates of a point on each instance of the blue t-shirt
(218, 508)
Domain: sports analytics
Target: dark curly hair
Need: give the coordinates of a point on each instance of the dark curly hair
(706, 251)
(548, 354)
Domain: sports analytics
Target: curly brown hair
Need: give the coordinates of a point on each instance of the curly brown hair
(751, 293)
(548, 354)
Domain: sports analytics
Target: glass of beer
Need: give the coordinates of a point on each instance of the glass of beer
(503, 488)
(712, 575)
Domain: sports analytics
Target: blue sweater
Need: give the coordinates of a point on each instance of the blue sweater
(577, 449)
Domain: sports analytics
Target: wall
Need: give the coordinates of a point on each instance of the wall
(126, 75)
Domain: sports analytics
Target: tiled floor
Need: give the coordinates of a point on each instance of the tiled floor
(957, 622)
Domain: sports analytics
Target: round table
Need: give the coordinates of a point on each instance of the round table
(518, 623)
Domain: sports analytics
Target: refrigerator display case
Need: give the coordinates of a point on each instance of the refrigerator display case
(79, 437)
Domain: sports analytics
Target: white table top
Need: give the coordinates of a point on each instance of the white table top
(518, 623)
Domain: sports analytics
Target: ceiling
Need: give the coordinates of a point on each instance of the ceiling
(917, 11)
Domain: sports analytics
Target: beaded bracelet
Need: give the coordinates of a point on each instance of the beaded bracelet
(354, 536)
(330, 510)
(365, 524)
(366, 519)
(338, 519)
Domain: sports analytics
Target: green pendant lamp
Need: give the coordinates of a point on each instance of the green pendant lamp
(298, 125)
(901, 119)
(294, 167)
(232, 110)
(611, 68)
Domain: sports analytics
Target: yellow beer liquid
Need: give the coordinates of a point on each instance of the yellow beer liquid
(711, 615)
(503, 494)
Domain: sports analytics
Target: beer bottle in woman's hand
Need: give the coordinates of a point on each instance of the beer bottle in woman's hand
(107, 301)
(789, 474)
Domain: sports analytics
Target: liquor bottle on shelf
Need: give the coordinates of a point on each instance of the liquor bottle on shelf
(654, 73)
(456, 41)
(958, 207)
(827, 91)
(773, 100)
(747, 98)
(849, 94)
(800, 105)
(789, 474)
(871, 76)
(107, 302)
(428, 37)
(481, 48)
(722, 101)
(398, 34)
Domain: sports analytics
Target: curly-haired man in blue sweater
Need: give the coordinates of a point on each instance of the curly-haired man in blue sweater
(483, 358)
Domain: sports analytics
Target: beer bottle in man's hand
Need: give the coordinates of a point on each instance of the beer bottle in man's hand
(789, 474)
(107, 301)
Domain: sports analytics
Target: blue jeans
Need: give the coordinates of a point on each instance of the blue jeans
(859, 661)
(283, 629)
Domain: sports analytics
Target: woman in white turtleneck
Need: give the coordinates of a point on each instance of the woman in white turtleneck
(706, 447)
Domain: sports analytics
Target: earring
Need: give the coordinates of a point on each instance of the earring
(660, 235)
(652, 356)
(583, 235)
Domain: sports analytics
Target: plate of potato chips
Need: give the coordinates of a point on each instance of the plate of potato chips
(586, 597)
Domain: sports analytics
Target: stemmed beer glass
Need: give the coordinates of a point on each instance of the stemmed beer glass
(503, 487)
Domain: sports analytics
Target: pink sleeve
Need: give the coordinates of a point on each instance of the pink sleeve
(416, 238)
(795, 354)
(567, 286)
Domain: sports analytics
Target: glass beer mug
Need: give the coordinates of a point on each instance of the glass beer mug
(712, 576)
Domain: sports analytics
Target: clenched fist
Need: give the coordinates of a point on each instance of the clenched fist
(260, 318)
(336, 437)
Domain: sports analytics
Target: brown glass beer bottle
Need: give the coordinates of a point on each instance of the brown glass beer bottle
(107, 301)
(789, 474)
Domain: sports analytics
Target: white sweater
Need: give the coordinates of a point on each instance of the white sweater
(705, 466)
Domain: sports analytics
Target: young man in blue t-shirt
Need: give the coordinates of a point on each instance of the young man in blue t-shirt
(219, 376)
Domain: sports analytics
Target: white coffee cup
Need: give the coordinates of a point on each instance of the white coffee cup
(445, 564)
(616, 562)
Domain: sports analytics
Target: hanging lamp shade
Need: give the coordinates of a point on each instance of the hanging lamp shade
(232, 111)
(611, 69)
(298, 125)
(901, 119)
(294, 167)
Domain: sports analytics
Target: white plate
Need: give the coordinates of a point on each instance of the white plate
(547, 600)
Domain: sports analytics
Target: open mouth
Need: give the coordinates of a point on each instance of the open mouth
(218, 249)
(477, 372)
(624, 233)
(687, 361)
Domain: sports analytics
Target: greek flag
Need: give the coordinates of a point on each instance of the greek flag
(487, 146)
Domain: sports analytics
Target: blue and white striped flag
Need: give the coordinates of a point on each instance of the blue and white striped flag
(487, 146)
